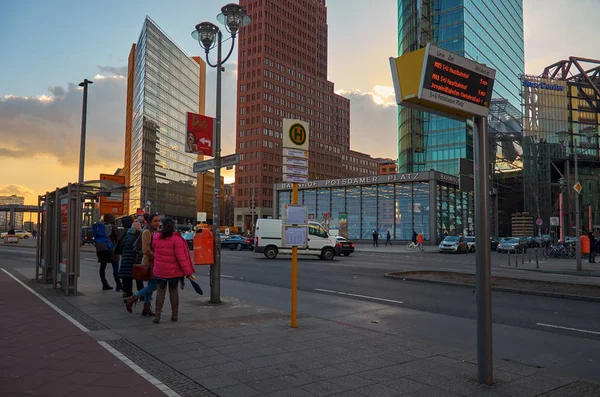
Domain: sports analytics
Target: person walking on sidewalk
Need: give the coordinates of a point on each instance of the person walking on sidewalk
(172, 262)
(106, 256)
(375, 238)
(593, 248)
(388, 238)
(130, 257)
(148, 261)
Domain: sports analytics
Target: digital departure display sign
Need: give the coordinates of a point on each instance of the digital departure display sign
(455, 81)
(441, 82)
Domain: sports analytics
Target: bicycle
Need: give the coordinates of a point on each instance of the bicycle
(411, 246)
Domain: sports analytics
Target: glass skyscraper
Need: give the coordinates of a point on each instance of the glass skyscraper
(489, 32)
(163, 85)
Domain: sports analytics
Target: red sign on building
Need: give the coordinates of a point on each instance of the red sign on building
(200, 132)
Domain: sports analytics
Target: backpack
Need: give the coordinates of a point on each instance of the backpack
(102, 237)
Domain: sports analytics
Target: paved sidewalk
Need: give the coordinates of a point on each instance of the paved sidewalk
(43, 354)
(242, 349)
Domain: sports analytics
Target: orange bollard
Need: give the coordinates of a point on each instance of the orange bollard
(203, 247)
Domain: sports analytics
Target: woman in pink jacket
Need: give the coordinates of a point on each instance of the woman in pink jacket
(172, 262)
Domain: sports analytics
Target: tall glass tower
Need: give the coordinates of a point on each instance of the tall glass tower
(489, 32)
(164, 83)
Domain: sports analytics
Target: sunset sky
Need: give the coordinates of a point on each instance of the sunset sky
(48, 47)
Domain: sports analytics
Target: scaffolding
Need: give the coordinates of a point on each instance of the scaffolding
(564, 98)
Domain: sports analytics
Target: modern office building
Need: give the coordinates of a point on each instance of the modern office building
(489, 32)
(163, 84)
(560, 133)
(282, 73)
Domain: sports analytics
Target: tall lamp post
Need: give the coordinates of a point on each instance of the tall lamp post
(233, 16)
(83, 84)
(562, 138)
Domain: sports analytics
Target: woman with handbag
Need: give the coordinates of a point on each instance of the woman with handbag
(144, 271)
(130, 257)
(172, 262)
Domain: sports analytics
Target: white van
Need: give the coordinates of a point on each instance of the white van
(267, 240)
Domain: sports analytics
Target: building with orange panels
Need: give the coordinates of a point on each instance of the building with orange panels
(163, 84)
(282, 73)
(387, 167)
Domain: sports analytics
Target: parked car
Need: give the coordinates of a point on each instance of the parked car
(454, 244)
(513, 244)
(24, 234)
(189, 238)
(87, 236)
(346, 245)
(236, 242)
(470, 243)
(493, 243)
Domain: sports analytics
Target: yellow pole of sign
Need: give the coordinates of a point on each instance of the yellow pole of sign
(294, 264)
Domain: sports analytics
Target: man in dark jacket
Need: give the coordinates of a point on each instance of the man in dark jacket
(104, 257)
(593, 248)
(375, 238)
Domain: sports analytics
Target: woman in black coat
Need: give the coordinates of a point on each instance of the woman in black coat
(130, 257)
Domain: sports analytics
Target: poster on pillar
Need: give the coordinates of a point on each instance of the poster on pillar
(200, 134)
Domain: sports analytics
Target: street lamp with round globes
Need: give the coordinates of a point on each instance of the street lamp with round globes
(209, 36)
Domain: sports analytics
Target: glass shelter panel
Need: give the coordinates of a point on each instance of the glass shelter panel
(385, 210)
(404, 224)
(369, 211)
(285, 197)
(338, 204)
(310, 200)
(421, 209)
(323, 206)
(353, 209)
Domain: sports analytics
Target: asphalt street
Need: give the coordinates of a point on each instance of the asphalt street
(540, 331)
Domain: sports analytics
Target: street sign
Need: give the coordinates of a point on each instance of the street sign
(577, 187)
(295, 236)
(204, 166)
(230, 160)
(554, 221)
(289, 169)
(294, 214)
(295, 134)
(295, 178)
(298, 162)
(539, 222)
(200, 134)
(441, 82)
(295, 153)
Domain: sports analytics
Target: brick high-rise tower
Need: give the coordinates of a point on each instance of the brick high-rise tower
(282, 73)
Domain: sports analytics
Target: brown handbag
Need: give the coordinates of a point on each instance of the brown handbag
(141, 272)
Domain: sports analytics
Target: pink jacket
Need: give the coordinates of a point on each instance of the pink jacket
(171, 256)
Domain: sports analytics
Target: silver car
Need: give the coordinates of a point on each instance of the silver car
(454, 244)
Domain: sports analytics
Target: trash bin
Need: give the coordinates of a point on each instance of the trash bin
(203, 247)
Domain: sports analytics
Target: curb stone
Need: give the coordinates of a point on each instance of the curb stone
(502, 289)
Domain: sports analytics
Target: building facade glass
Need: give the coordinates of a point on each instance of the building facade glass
(428, 203)
(487, 32)
(166, 87)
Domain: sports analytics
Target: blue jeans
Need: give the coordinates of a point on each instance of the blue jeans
(147, 291)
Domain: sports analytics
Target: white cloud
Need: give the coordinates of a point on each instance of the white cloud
(373, 121)
(19, 190)
(50, 124)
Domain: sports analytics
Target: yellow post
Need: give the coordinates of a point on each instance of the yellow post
(294, 263)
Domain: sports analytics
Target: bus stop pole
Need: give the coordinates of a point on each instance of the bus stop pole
(482, 255)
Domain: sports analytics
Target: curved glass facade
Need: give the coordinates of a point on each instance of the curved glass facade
(485, 31)
(430, 206)
(166, 87)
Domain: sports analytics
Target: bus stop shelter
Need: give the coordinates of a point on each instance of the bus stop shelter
(60, 219)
